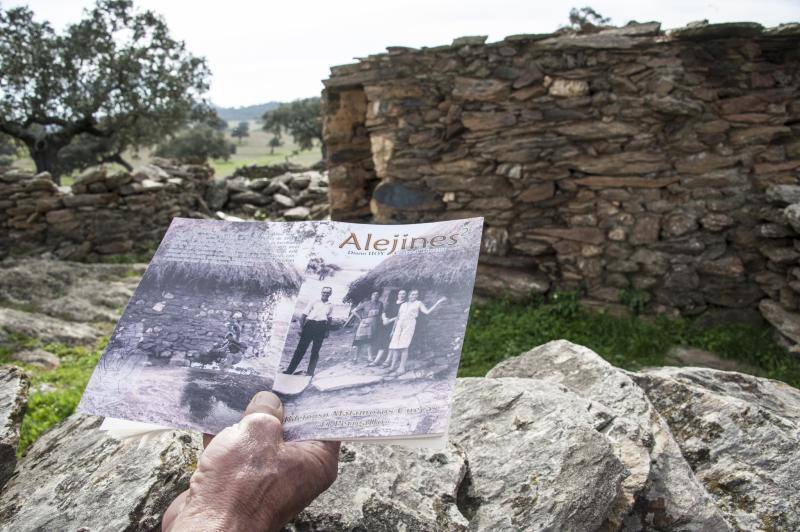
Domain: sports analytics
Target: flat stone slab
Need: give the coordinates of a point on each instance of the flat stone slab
(341, 382)
(788, 323)
(70, 291)
(14, 385)
(290, 384)
(46, 328)
(692, 356)
(37, 357)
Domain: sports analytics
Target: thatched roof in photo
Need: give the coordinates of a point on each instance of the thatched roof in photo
(266, 277)
(426, 272)
(443, 271)
(224, 243)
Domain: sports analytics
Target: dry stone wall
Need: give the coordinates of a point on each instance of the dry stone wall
(104, 212)
(631, 161)
(261, 193)
(112, 212)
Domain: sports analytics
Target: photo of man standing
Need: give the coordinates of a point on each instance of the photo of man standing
(314, 324)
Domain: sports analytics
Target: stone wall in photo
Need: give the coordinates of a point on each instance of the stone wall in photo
(178, 321)
(639, 164)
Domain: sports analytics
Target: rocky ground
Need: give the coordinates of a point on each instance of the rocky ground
(65, 302)
(555, 438)
(260, 193)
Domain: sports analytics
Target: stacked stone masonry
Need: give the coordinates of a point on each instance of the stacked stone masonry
(104, 212)
(626, 161)
(113, 212)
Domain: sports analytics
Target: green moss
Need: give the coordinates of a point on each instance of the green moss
(501, 329)
(54, 394)
(140, 257)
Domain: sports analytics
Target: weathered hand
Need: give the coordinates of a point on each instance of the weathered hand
(248, 478)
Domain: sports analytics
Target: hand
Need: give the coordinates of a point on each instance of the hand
(248, 478)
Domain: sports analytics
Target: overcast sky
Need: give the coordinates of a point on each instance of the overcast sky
(260, 51)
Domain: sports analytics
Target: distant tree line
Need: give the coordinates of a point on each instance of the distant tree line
(246, 112)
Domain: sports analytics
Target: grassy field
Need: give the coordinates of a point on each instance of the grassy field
(255, 150)
(54, 394)
(497, 330)
(251, 150)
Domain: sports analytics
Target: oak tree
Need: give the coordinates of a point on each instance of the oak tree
(114, 80)
(301, 119)
(241, 131)
(196, 144)
(274, 142)
(587, 20)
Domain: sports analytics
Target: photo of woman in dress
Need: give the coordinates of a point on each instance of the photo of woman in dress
(406, 324)
(370, 324)
(381, 345)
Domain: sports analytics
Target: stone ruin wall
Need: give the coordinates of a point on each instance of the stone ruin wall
(109, 211)
(105, 212)
(172, 334)
(626, 160)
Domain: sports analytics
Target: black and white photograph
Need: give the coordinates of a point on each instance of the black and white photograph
(375, 338)
(357, 327)
(193, 345)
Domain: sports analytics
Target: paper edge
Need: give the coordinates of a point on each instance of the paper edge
(122, 429)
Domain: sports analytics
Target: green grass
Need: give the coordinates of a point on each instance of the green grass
(255, 150)
(499, 329)
(135, 257)
(54, 394)
(226, 168)
(251, 150)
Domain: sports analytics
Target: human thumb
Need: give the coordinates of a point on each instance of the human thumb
(265, 403)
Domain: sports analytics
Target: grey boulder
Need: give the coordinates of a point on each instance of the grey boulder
(536, 456)
(383, 487)
(14, 385)
(75, 477)
(523, 454)
(660, 489)
(741, 435)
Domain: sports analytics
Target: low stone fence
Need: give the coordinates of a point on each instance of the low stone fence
(111, 212)
(105, 212)
(265, 195)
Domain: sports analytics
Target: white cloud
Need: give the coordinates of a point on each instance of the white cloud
(260, 51)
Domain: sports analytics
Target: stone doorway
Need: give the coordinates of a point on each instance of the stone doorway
(351, 169)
